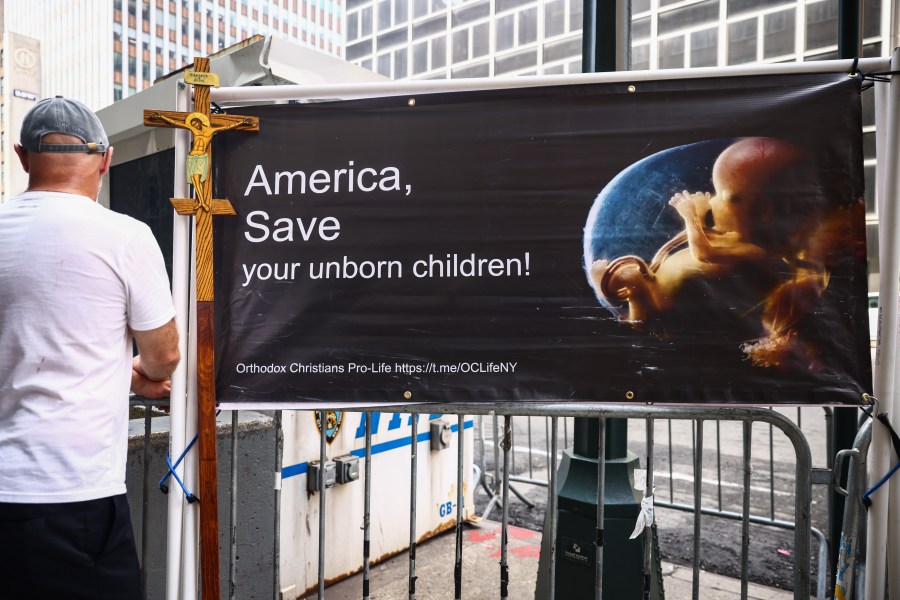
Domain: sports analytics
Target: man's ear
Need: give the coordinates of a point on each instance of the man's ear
(23, 156)
(107, 161)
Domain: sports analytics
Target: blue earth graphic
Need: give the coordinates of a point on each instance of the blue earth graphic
(631, 215)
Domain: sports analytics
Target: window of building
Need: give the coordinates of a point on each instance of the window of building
(576, 22)
(384, 64)
(384, 14)
(460, 45)
(505, 32)
(639, 6)
(821, 24)
(366, 21)
(400, 63)
(481, 40)
(401, 11)
(352, 27)
(528, 26)
(554, 18)
(688, 16)
(778, 33)
(640, 29)
(438, 53)
(640, 57)
(671, 53)
(420, 58)
(705, 48)
(742, 41)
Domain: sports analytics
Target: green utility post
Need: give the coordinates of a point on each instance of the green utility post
(605, 47)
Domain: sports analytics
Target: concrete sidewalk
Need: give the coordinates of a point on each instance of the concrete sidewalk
(435, 560)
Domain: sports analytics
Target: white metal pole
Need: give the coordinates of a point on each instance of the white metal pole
(888, 298)
(879, 518)
(399, 88)
(181, 276)
(191, 533)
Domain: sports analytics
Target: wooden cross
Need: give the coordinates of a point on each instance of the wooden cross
(203, 127)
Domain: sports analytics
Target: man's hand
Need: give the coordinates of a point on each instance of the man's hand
(142, 385)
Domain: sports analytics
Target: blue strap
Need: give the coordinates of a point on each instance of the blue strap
(171, 472)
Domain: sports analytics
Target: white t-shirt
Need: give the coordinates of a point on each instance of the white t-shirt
(74, 276)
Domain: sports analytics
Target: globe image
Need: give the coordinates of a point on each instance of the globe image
(631, 214)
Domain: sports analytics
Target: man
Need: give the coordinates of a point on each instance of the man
(78, 282)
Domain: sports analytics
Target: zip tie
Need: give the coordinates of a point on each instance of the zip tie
(880, 77)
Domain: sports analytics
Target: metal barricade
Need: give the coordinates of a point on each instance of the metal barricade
(669, 496)
(503, 451)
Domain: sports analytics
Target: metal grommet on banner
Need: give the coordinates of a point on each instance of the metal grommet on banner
(631, 89)
(411, 102)
(407, 395)
(854, 70)
(629, 395)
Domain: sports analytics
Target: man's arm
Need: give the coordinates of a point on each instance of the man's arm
(158, 356)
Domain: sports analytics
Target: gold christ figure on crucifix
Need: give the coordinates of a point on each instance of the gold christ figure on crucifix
(198, 158)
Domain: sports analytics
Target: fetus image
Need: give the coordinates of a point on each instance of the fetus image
(755, 255)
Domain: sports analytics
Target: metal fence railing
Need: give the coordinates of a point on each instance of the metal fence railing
(516, 459)
(771, 469)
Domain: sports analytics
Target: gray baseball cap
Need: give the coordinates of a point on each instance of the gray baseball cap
(69, 117)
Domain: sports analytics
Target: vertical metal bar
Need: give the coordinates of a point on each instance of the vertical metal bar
(671, 472)
(530, 454)
(551, 505)
(649, 492)
(698, 502)
(771, 471)
(460, 456)
(413, 489)
(551, 465)
(565, 432)
(601, 485)
(745, 516)
(279, 455)
(323, 432)
(232, 499)
(145, 503)
(719, 463)
(495, 437)
(504, 525)
(367, 507)
(512, 460)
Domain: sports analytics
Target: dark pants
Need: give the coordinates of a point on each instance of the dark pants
(77, 550)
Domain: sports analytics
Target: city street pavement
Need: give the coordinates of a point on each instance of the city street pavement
(435, 561)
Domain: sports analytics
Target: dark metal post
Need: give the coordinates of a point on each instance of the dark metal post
(605, 47)
(845, 419)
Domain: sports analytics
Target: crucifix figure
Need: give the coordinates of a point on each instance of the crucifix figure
(203, 127)
(198, 158)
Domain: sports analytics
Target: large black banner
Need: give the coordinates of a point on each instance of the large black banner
(678, 241)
